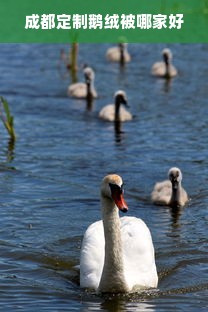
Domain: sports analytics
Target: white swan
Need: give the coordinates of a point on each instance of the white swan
(170, 192)
(117, 254)
(116, 112)
(118, 54)
(81, 89)
(165, 69)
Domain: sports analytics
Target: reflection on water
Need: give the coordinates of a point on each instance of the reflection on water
(118, 130)
(121, 305)
(167, 85)
(175, 214)
(89, 102)
(61, 155)
(10, 152)
(118, 303)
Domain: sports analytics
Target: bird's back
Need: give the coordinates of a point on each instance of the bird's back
(78, 90)
(161, 193)
(92, 256)
(138, 254)
(113, 54)
(108, 113)
(159, 69)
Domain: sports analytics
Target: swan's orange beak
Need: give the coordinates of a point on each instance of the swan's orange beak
(117, 195)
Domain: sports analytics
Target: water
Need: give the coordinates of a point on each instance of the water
(50, 179)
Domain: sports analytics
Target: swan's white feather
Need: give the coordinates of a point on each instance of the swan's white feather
(138, 255)
(161, 193)
(159, 69)
(139, 260)
(108, 113)
(113, 54)
(92, 256)
(78, 89)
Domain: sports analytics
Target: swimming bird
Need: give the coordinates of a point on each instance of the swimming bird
(116, 112)
(170, 192)
(165, 69)
(117, 254)
(118, 54)
(81, 89)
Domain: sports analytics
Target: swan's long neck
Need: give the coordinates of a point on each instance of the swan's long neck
(117, 109)
(112, 279)
(122, 51)
(167, 67)
(90, 87)
(176, 194)
(89, 96)
(167, 70)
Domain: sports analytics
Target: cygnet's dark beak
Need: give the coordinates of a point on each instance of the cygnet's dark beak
(174, 183)
(87, 79)
(125, 102)
(166, 59)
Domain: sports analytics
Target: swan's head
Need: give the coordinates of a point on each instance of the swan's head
(88, 74)
(121, 98)
(112, 187)
(167, 56)
(175, 177)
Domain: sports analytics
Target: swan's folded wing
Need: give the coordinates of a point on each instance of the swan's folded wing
(108, 112)
(125, 115)
(77, 89)
(184, 197)
(139, 258)
(158, 69)
(92, 256)
(113, 54)
(161, 193)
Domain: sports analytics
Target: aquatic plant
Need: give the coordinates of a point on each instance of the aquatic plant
(73, 55)
(70, 61)
(7, 118)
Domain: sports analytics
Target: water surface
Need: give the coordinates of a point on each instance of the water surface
(50, 179)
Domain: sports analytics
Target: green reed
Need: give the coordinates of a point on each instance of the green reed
(7, 118)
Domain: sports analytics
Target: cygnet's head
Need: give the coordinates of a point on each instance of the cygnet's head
(175, 176)
(120, 97)
(167, 56)
(88, 74)
(112, 188)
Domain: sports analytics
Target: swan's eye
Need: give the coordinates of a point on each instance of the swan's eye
(116, 188)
